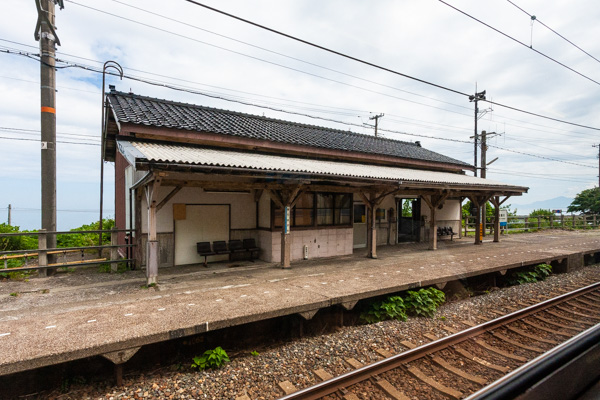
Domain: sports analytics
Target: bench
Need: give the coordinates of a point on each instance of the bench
(220, 247)
(445, 231)
(204, 250)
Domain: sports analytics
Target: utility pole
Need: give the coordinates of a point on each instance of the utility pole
(9, 215)
(376, 118)
(475, 98)
(45, 33)
(484, 163)
(598, 146)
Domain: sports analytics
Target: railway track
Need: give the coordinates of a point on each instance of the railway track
(464, 362)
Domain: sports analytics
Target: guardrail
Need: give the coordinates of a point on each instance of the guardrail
(42, 252)
(525, 223)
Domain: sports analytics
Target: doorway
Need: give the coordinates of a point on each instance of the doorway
(409, 220)
(360, 226)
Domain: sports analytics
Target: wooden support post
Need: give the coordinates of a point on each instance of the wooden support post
(433, 202)
(496, 204)
(285, 238)
(42, 253)
(373, 230)
(114, 251)
(139, 251)
(152, 245)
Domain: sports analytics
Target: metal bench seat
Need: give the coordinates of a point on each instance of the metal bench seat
(204, 250)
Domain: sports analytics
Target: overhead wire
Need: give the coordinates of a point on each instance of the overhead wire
(379, 66)
(287, 100)
(521, 43)
(172, 87)
(553, 31)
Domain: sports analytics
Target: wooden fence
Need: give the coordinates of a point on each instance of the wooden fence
(42, 252)
(525, 223)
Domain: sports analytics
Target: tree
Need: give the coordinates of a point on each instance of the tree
(586, 202)
(541, 213)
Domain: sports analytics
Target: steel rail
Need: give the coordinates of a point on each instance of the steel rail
(350, 378)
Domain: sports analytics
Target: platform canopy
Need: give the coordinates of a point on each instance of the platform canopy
(273, 171)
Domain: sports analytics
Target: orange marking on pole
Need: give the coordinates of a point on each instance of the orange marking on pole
(49, 110)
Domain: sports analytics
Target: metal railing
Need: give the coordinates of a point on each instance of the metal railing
(42, 252)
(526, 223)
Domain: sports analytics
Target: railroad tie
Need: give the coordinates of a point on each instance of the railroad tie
(577, 321)
(515, 343)
(450, 329)
(588, 303)
(431, 336)
(351, 396)
(468, 323)
(457, 371)
(543, 328)
(243, 397)
(408, 344)
(384, 353)
(530, 336)
(578, 313)
(481, 361)
(417, 373)
(499, 351)
(565, 328)
(287, 387)
(322, 374)
(390, 390)
(354, 363)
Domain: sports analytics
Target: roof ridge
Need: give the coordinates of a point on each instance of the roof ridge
(268, 119)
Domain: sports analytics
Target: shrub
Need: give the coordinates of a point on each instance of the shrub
(211, 359)
(425, 302)
(391, 308)
(539, 273)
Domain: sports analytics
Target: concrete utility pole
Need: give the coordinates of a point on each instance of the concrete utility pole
(484, 163)
(598, 146)
(376, 118)
(45, 33)
(9, 214)
(475, 98)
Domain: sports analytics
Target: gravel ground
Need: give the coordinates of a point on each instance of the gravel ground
(295, 361)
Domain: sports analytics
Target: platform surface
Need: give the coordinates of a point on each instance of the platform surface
(84, 313)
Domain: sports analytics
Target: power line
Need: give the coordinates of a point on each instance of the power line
(376, 65)
(519, 42)
(275, 52)
(287, 100)
(91, 69)
(542, 157)
(552, 30)
(275, 63)
(58, 141)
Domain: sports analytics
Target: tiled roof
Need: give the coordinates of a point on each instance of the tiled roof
(141, 110)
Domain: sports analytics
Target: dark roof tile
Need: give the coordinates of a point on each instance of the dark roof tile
(131, 108)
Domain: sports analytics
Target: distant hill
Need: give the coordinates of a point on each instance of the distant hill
(557, 203)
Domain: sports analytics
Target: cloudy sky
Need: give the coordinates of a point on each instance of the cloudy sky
(180, 44)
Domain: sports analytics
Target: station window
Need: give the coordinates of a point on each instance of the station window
(330, 209)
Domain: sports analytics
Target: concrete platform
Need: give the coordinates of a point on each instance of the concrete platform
(85, 313)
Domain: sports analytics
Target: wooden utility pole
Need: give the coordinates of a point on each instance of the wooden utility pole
(45, 33)
(376, 118)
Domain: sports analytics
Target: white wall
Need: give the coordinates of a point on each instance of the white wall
(320, 242)
(243, 207)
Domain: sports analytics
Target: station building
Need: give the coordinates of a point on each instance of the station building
(187, 173)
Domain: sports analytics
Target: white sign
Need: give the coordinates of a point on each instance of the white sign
(503, 217)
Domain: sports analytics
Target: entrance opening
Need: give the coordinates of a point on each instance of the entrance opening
(409, 220)
(360, 226)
